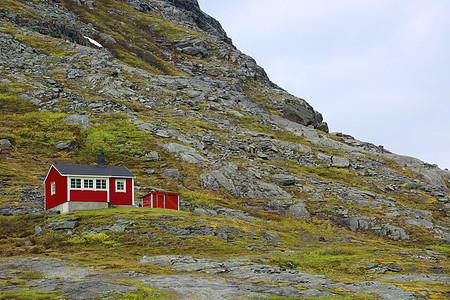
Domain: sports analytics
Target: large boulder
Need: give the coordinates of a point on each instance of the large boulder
(61, 224)
(301, 112)
(172, 173)
(283, 179)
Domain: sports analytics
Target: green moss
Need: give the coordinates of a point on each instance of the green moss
(10, 102)
(30, 295)
(148, 293)
(47, 45)
(30, 275)
(330, 261)
(118, 139)
(41, 129)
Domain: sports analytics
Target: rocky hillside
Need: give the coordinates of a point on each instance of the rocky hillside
(271, 199)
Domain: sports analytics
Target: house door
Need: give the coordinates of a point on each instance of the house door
(160, 201)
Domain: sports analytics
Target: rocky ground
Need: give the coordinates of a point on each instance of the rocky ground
(202, 279)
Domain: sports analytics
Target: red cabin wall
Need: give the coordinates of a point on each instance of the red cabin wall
(147, 201)
(85, 195)
(172, 202)
(121, 198)
(161, 200)
(60, 195)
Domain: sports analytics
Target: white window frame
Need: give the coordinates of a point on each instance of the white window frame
(124, 184)
(102, 183)
(52, 188)
(89, 184)
(75, 186)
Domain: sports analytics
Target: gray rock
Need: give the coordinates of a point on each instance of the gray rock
(172, 173)
(122, 224)
(420, 222)
(152, 156)
(283, 179)
(216, 178)
(446, 239)
(62, 145)
(299, 210)
(149, 172)
(146, 127)
(5, 143)
(201, 212)
(162, 133)
(370, 223)
(340, 162)
(81, 120)
(301, 112)
(107, 38)
(61, 224)
(37, 230)
(75, 73)
(187, 153)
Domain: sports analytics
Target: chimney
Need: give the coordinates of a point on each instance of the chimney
(101, 160)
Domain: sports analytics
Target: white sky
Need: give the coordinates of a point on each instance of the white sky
(376, 69)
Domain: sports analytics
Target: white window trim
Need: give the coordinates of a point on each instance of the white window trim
(86, 182)
(52, 188)
(94, 184)
(124, 186)
(75, 188)
(100, 179)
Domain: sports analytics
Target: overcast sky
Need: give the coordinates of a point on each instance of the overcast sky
(378, 70)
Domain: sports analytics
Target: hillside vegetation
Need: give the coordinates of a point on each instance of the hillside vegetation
(273, 204)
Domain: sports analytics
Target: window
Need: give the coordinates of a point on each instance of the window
(100, 184)
(120, 185)
(88, 183)
(75, 183)
(53, 188)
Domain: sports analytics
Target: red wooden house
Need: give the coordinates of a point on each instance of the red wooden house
(82, 187)
(161, 200)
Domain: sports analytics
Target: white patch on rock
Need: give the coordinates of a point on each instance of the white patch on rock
(94, 42)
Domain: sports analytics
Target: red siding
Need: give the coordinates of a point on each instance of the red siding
(60, 195)
(121, 198)
(171, 202)
(161, 200)
(147, 201)
(86, 195)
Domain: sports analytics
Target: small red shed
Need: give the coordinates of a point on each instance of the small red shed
(161, 200)
(82, 187)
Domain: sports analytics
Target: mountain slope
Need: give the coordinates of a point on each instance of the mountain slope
(159, 87)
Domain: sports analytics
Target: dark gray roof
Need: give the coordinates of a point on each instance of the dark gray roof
(93, 170)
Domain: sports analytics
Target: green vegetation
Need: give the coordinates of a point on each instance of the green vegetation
(30, 295)
(10, 102)
(41, 129)
(47, 45)
(333, 261)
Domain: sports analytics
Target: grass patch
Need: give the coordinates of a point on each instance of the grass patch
(30, 275)
(10, 102)
(30, 295)
(149, 293)
(334, 261)
(40, 129)
(47, 45)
